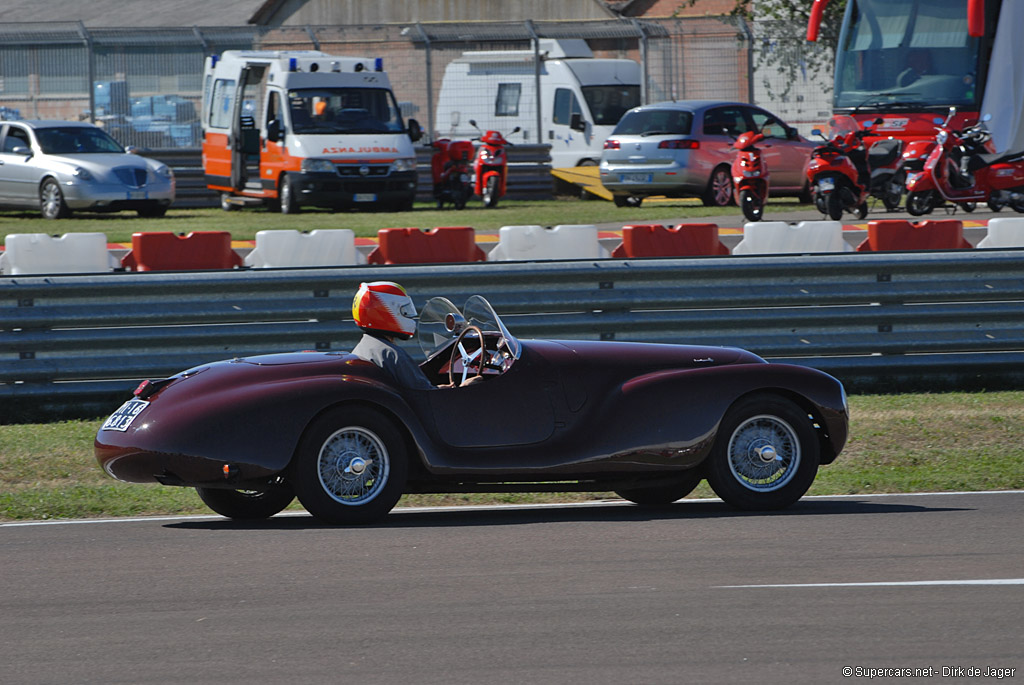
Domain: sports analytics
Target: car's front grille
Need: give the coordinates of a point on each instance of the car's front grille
(131, 176)
(355, 171)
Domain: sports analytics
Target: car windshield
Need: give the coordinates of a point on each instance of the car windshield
(652, 122)
(344, 110)
(65, 140)
(441, 322)
(609, 103)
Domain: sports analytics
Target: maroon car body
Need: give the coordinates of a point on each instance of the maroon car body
(644, 420)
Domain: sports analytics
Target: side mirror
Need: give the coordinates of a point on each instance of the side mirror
(274, 131)
(576, 122)
(132, 150)
(415, 131)
(816, 132)
(22, 150)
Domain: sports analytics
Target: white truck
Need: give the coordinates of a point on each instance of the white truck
(294, 128)
(581, 98)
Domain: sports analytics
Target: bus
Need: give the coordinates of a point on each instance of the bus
(909, 61)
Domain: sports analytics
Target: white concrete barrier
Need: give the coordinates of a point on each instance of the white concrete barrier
(568, 241)
(289, 248)
(779, 237)
(1004, 233)
(71, 253)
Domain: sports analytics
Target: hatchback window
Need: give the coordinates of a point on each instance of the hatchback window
(653, 122)
(725, 121)
(768, 125)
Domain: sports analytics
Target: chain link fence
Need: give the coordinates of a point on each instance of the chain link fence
(144, 85)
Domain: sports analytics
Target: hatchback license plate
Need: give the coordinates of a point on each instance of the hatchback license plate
(634, 178)
(365, 197)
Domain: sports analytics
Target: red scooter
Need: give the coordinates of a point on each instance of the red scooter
(490, 166)
(750, 175)
(449, 169)
(961, 170)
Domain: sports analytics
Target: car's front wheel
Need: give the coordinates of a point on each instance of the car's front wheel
(766, 454)
(663, 495)
(51, 200)
(350, 466)
(719, 190)
(248, 504)
(289, 201)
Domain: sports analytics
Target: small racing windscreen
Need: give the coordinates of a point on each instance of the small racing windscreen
(441, 322)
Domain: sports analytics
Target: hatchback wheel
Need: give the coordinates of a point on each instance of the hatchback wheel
(719, 190)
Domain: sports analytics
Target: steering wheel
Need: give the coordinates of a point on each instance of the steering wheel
(458, 349)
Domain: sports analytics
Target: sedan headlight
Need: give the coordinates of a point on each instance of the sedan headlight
(313, 165)
(404, 164)
(82, 174)
(164, 171)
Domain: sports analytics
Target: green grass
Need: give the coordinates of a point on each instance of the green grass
(243, 224)
(899, 443)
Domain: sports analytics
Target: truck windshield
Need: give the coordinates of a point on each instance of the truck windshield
(907, 53)
(609, 103)
(344, 110)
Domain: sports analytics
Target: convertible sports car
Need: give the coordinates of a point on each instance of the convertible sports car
(646, 421)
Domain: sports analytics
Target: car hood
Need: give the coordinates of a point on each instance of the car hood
(98, 160)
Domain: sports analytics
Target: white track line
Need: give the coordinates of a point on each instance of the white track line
(907, 583)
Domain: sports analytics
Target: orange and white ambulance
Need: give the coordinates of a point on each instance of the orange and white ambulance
(294, 128)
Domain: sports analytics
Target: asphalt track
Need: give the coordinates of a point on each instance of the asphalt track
(605, 593)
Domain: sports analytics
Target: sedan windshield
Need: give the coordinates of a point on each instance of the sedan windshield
(344, 110)
(66, 140)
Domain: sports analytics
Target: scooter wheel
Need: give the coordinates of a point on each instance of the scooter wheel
(862, 211)
(491, 192)
(919, 203)
(752, 209)
(834, 202)
(996, 205)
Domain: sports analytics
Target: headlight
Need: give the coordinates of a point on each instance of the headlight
(941, 136)
(82, 174)
(404, 164)
(164, 171)
(313, 165)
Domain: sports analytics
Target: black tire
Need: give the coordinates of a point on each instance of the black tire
(862, 211)
(247, 505)
(751, 209)
(920, 203)
(153, 211)
(350, 466)
(834, 204)
(491, 192)
(51, 200)
(655, 496)
(968, 206)
(1017, 206)
(719, 190)
(996, 205)
(286, 196)
(766, 454)
(892, 195)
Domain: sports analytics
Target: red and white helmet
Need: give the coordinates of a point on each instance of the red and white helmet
(384, 307)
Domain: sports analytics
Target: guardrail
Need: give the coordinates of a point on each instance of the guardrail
(529, 174)
(885, 321)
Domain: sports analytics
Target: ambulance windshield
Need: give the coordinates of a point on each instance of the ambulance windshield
(344, 110)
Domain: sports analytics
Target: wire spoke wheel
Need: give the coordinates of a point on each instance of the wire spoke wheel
(764, 453)
(353, 465)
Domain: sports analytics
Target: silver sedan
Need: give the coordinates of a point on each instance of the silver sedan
(59, 167)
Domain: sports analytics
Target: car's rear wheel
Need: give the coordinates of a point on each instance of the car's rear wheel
(248, 504)
(663, 495)
(719, 190)
(766, 454)
(51, 200)
(350, 466)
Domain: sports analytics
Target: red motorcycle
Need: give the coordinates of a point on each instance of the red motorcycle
(449, 169)
(750, 175)
(490, 166)
(843, 175)
(962, 170)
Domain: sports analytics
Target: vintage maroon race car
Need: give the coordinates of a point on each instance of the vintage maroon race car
(646, 421)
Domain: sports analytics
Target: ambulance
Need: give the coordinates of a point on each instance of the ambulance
(303, 128)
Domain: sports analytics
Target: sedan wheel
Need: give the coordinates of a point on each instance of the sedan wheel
(248, 504)
(51, 201)
(350, 467)
(719, 190)
(766, 454)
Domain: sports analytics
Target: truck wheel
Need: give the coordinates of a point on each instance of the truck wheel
(226, 204)
(287, 196)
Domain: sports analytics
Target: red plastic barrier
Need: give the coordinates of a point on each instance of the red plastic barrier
(433, 246)
(685, 240)
(896, 234)
(166, 251)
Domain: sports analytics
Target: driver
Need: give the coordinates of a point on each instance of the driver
(385, 311)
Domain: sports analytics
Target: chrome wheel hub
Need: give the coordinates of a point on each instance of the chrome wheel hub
(353, 465)
(764, 453)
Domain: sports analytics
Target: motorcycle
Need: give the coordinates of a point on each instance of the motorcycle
(843, 175)
(961, 169)
(450, 172)
(490, 166)
(750, 175)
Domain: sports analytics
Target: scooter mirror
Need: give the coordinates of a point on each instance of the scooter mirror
(938, 120)
(816, 132)
(986, 117)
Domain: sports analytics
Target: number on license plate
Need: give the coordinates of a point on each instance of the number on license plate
(634, 178)
(826, 184)
(122, 419)
(365, 197)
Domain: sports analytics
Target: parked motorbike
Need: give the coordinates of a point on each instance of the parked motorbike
(961, 169)
(750, 175)
(490, 166)
(450, 172)
(843, 175)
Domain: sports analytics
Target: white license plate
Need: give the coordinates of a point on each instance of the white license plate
(365, 197)
(634, 178)
(136, 194)
(122, 419)
(826, 184)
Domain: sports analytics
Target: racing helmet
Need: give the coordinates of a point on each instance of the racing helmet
(384, 307)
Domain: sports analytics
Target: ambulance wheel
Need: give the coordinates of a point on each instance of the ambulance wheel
(286, 194)
(226, 204)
